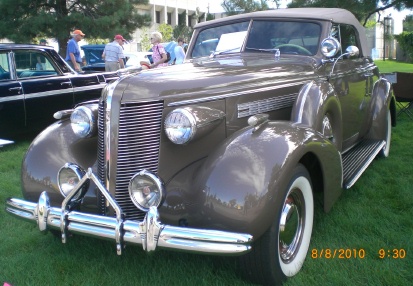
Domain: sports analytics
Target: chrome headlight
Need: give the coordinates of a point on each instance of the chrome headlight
(180, 126)
(68, 177)
(190, 123)
(83, 122)
(146, 190)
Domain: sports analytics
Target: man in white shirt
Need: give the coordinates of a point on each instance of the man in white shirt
(113, 54)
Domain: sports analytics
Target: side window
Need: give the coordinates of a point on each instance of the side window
(4, 66)
(33, 64)
(346, 35)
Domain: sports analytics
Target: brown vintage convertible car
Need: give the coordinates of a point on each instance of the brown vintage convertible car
(222, 154)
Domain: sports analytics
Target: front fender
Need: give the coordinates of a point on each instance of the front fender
(48, 152)
(242, 179)
(316, 100)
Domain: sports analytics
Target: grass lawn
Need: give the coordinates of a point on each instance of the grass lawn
(375, 214)
(389, 66)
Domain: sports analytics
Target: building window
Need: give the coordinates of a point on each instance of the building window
(189, 21)
(169, 18)
(158, 17)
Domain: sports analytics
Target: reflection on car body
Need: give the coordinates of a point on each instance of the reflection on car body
(234, 142)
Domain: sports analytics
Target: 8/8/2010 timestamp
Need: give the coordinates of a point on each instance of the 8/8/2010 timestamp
(347, 253)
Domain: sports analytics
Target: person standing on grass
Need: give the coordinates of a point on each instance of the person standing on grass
(113, 54)
(73, 57)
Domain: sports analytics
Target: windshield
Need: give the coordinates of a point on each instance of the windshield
(290, 37)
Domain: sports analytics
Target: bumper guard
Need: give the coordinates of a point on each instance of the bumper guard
(150, 232)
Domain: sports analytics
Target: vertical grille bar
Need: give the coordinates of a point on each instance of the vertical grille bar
(101, 154)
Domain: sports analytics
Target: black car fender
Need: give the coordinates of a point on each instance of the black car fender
(242, 178)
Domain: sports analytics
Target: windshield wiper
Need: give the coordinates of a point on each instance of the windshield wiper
(273, 50)
(213, 54)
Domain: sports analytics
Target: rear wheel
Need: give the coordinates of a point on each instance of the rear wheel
(281, 251)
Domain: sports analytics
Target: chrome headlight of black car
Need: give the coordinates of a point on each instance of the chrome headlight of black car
(189, 123)
(146, 190)
(83, 121)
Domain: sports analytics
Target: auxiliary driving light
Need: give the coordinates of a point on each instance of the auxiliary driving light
(146, 190)
(68, 177)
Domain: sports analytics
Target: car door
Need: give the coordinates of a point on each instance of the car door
(12, 115)
(349, 79)
(46, 89)
(89, 86)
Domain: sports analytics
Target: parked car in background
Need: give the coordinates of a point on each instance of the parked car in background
(95, 62)
(35, 82)
(224, 153)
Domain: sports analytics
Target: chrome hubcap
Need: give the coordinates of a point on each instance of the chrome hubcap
(291, 225)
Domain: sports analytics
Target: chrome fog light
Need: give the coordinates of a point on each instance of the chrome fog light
(68, 177)
(146, 190)
(83, 122)
(180, 126)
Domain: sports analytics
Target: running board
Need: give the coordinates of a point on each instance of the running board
(356, 161)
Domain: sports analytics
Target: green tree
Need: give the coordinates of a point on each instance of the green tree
(25, 20)
(166, 31)
(182, 31)
(408, 23)
(362, 9)
(233, 7)
(145, 39)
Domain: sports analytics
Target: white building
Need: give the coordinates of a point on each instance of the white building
(168, 12)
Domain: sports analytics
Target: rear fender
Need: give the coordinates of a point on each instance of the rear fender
(242, 178)
(382, 101)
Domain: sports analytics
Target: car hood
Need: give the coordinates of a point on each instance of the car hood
(218, 76)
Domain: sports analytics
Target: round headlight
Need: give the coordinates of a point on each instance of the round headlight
(180, 126)
(146, 190)
(68, 177)
(83, 121)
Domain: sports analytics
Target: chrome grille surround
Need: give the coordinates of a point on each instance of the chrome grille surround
(138, 149)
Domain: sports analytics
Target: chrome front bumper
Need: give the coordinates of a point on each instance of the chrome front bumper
(150, 232)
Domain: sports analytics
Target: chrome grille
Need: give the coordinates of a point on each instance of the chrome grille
(266, 105)
(101, 154)
(138, 148)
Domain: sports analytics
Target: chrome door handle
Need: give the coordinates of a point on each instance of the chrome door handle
(18, 89)
(66, 83)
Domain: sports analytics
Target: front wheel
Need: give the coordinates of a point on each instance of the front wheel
(281, 251)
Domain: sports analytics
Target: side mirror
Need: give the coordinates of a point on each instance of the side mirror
(352, 51)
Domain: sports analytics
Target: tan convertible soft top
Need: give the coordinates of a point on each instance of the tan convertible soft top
(335, 15)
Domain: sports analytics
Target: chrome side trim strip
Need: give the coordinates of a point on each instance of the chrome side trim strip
(227, 95)
(149, 232)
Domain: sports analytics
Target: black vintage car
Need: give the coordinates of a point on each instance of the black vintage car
(222, 154)
(35, 82)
